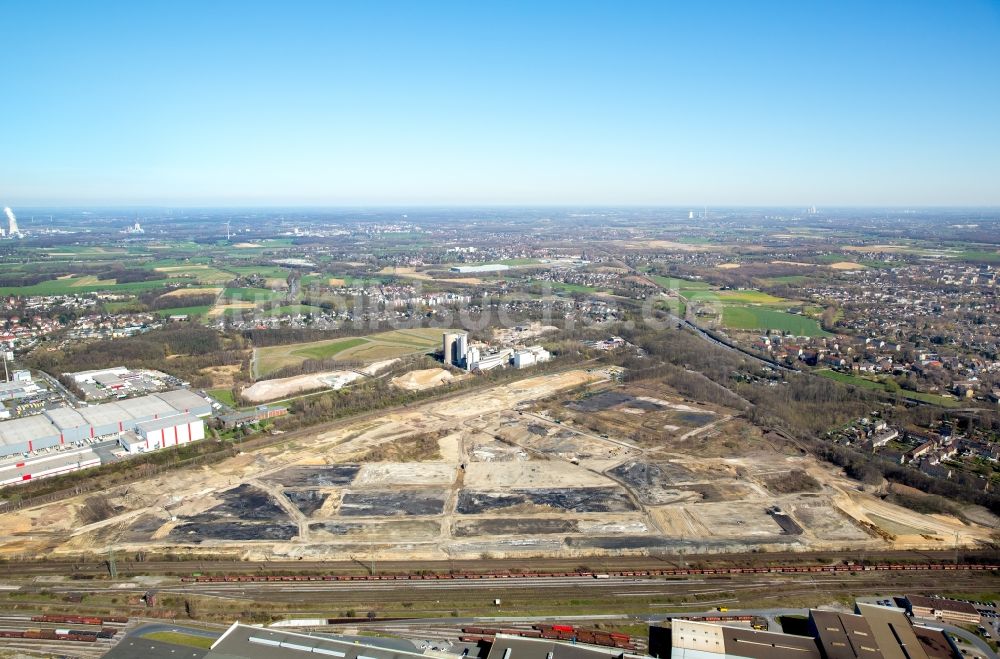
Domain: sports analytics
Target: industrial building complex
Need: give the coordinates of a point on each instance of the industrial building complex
(457, 351)
(875, 632)
(138, 424)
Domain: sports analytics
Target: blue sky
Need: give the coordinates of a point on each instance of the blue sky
(250, 103)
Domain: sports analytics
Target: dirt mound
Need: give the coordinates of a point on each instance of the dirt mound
(423, 379)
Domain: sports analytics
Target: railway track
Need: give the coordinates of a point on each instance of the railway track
(90, 568)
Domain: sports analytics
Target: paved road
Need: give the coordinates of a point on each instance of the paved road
(104, 449)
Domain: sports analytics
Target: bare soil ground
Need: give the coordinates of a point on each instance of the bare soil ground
(190, 292)
(491, 472)
(427, 378)
(222, 376)
(220, 309)
(265, 390)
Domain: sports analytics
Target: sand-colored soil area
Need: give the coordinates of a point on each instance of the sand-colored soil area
(265, 390)
(494, 471)
(220, 309)
(191, 292)
(427, 378)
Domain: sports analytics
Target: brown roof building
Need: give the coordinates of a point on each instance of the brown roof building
(943, 609)
(872, 632)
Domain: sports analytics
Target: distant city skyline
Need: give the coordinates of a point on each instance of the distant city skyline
(521, 104)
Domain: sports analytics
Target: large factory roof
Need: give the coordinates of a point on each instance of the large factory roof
(60, 460)
(54, 421)
(183, 400)
(26, 429)
(167, 422)
(516, 647)
(99, 415)
(65, 418)
(244, 642)
(146, 406)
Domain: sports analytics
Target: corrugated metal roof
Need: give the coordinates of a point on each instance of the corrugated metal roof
(51, 461)
(104, 414)
(146, 406)
(65, 418)
(167, 422)
(26, 429)
(262, 643)
(183, 400)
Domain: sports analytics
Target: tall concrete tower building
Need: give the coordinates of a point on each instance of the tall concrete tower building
(448, 347)
(455, 348)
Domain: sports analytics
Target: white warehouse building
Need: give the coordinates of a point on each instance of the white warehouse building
(530, 356)
(164, 432)
(66, 426)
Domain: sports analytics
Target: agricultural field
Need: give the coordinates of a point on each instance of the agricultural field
(85, 284)
(252, 294)
(758, 318)
(202, 274)
(375, 347)
(681, 285)
(267, 271)
(194, 312)
(733, 297)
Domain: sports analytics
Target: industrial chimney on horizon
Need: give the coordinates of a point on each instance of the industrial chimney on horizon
(12, 230)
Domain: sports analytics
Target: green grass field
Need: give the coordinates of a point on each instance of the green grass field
(81, 253)
(326, 350)
(224, 396)
(252, 294)
(758, 318)
(979, 256)
(734, 297)
(865, 383)
(268, 271)
(373, 347)
(682, 285)
(203, 274)
(71, 285)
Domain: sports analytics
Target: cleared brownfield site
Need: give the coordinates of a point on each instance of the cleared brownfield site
(568, 464)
